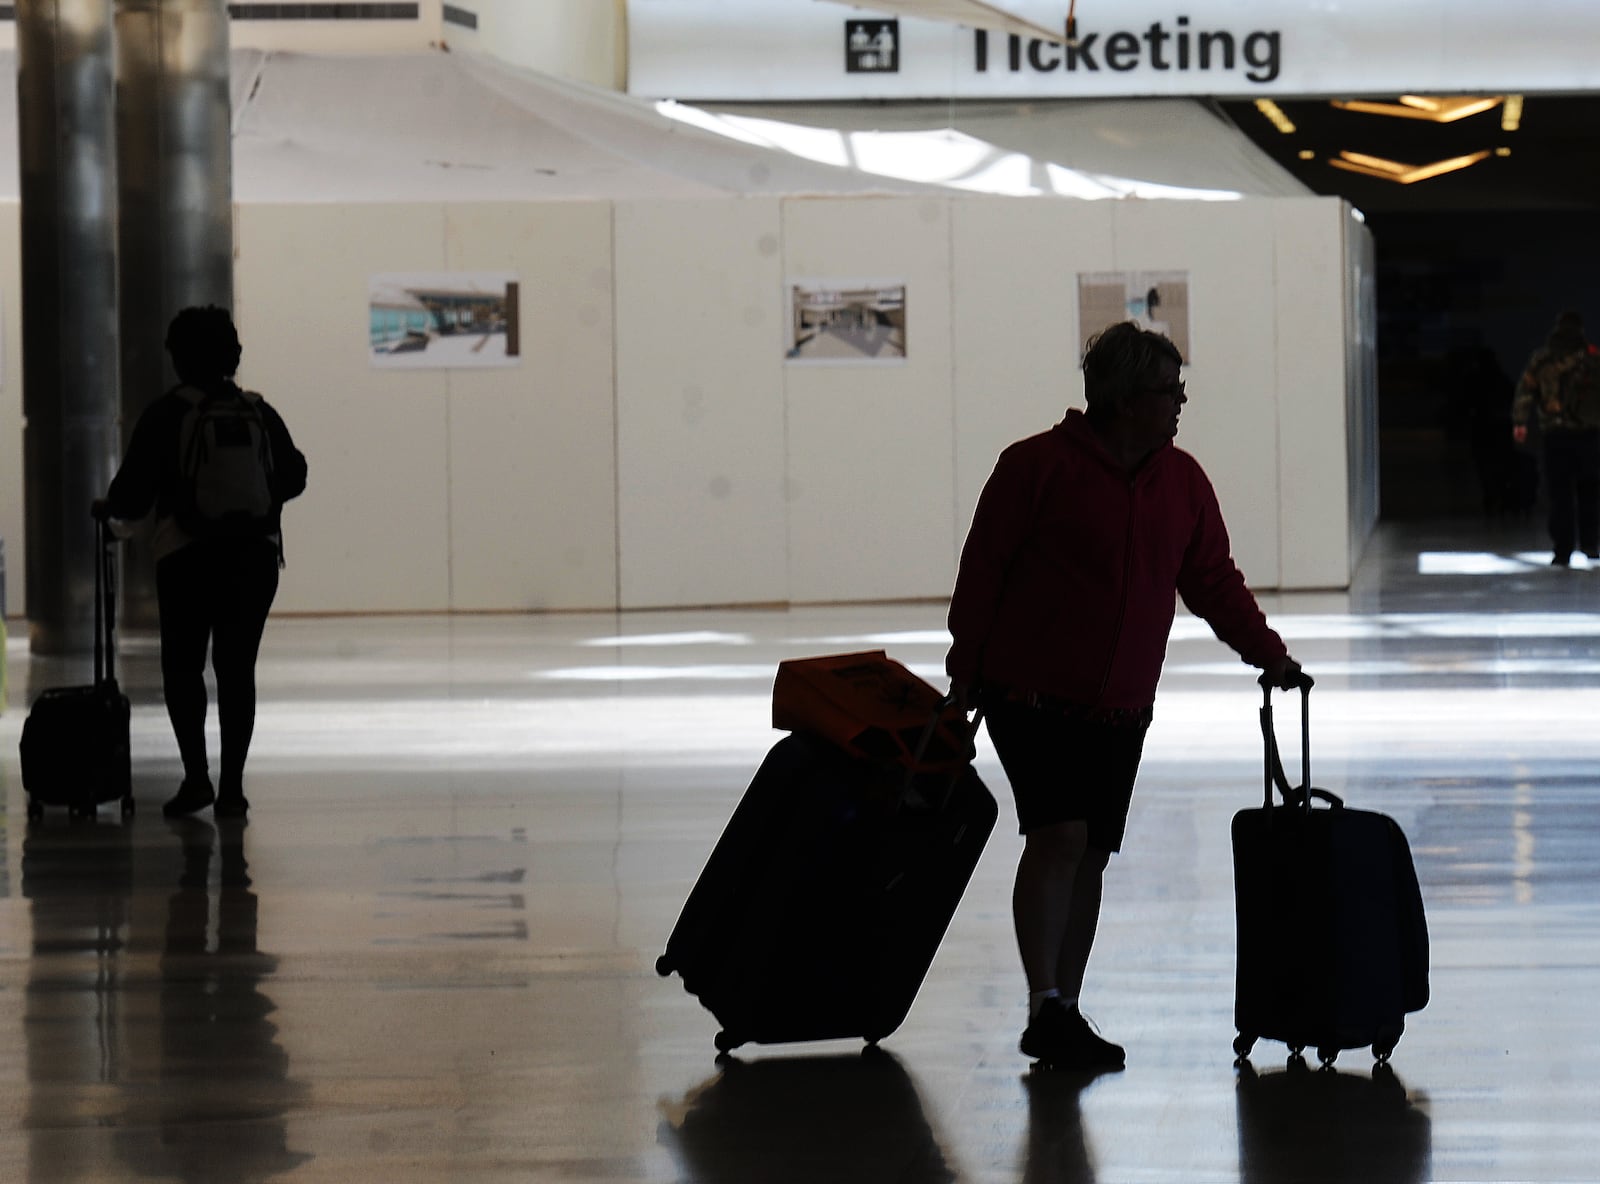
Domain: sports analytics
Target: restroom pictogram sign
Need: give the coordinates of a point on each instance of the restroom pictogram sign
(872, 47)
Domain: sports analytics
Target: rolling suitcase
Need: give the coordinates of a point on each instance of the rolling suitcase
(1333, 941)
(823, 903)
(74, 747)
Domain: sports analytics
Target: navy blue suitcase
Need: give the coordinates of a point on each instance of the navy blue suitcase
(1332, 936)
(823, 903)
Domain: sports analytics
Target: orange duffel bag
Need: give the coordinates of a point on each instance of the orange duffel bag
(873, 707)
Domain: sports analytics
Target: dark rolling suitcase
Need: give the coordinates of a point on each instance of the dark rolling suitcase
(1333, 941)
(74, 747)
(823, 903)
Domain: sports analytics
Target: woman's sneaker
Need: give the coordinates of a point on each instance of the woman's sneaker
(193, 795)
(1061, 1038)
(231, 805)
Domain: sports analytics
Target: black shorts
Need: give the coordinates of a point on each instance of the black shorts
(1069, 765)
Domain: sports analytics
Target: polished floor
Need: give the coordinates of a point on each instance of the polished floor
(429, 955)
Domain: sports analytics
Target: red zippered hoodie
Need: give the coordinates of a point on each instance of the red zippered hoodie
(1070, 574)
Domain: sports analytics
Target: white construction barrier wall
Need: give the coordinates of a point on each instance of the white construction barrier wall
(654, 447)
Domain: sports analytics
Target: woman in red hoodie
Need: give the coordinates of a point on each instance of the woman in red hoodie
(1084, 537)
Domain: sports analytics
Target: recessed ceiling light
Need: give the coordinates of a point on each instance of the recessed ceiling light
(1426, 107)
(1275, 114)
(1511, 114)
(1307, 154)
(1403, 174)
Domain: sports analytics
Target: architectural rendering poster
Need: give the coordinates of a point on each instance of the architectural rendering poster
(847, 321)
(443, 320)
(1157, 300)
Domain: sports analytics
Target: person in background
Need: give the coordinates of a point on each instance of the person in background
(1560, 391)
(214, 464)
(1084, 538)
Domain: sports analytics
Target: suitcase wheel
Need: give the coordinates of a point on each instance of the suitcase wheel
(1242, 1045)
(663, 967)
(726, 1041)
(1382, 1052)
(1327, 1056)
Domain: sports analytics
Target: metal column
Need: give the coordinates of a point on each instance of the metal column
(175, 193)
(67, 148)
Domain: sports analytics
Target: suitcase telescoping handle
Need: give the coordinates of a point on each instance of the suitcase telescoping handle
(926, 738)
(1273, 775)
(105, 605)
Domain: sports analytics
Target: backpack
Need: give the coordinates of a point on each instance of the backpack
(224, 465)
(1580, 391)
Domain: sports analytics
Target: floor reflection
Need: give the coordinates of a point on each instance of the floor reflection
(847, 1119)
(1059, 1152)
(195, 1089)
(224, 1080)
(465, 856)
(79, 1051)
(1323, 1126)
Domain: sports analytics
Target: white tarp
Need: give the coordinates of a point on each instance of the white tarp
(459, 127)
(1147, 148)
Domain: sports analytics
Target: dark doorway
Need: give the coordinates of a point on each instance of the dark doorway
(1463, 300)
(1473, 266)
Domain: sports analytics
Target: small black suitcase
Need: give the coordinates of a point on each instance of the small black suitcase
(1333, 941)
(74, 747)
(823, 903)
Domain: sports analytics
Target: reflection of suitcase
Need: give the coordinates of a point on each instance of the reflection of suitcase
(823, 903)
(75, 740)
(1333, 943)
(1299, 1123)
(849, 1118)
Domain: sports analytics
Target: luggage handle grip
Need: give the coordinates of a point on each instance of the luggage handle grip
(926, 738)
(1301, 795)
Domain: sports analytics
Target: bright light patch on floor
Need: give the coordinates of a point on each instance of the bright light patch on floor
(703, 637)
(879, 641)
(651, 673)
(1453, 667)
(1484, 563)
(1393, 626)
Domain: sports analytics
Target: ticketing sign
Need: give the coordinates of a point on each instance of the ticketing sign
(799, 50)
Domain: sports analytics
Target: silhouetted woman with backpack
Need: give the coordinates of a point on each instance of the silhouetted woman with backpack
(215, 463)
